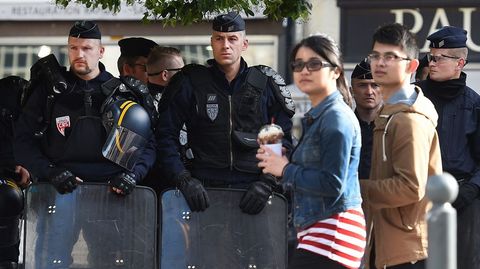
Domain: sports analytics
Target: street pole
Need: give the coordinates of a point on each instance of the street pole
(442, 222)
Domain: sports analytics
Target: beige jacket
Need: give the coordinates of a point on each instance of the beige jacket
(405, 153)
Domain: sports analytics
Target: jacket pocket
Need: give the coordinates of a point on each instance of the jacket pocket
(404, 218)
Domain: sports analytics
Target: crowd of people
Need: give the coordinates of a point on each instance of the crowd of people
(358, 174)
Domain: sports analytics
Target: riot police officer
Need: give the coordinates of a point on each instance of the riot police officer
(65, 133)
(133, 57)
(12, 175)
(223, 107)
(68, 148)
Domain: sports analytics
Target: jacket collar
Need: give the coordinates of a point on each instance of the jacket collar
(318, 110)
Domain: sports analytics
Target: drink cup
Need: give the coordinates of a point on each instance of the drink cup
(276, 148)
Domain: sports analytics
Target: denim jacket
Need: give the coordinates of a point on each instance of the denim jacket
(323, 167)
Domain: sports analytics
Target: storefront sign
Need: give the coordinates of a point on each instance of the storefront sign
(359, 19)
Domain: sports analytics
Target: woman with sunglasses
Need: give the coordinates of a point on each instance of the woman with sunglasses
(323, 168)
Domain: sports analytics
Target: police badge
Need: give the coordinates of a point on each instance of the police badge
(212, 106)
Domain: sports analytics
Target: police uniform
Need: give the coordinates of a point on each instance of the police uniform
(362, 71)
(74, 134)
(458, 128)
(222, 118)
(11, 197)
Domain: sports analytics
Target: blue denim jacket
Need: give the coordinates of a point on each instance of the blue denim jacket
(323, 167)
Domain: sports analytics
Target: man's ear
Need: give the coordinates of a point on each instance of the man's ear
(127, 69)
(164, 75)
(412, 66)
(461, 63)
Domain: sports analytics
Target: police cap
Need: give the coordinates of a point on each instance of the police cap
(230, 22)
(362, 71)
(448, 37)
(136, 46)
(85, 29)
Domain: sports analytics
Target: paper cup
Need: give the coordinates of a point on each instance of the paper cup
(276, 148)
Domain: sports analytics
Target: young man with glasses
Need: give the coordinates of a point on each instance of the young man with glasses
(223, 106)
(458, 107)
(405, 152)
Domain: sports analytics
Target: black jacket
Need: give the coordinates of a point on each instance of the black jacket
(74, 136)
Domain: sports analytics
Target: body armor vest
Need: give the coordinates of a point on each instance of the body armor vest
(224, 129)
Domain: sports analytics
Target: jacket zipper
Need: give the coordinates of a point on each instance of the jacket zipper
(231, 130)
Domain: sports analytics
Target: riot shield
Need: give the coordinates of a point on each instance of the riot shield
(222, 237)
(89, 228)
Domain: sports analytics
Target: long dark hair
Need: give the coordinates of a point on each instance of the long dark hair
(324, 46)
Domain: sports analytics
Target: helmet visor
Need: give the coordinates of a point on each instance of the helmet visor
(123, 147)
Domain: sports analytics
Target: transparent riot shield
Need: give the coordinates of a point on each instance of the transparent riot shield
(222, 237)
(89, 228)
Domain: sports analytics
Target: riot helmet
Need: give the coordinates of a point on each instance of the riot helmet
(11, 88)
(128, 127)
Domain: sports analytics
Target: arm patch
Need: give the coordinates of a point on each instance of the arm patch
(282, 94)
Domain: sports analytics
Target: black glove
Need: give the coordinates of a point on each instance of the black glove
(124, 182)
(62, 179)
(256, 197)
(193, 191)
(467, 193)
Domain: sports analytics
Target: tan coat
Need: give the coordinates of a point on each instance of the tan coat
(405, 153)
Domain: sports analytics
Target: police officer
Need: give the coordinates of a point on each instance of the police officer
(368, 101)
(162, 64)
(66, 141)
(69, 151)
(223, 107)
(458, 108)
(133, 57)
(12, 175)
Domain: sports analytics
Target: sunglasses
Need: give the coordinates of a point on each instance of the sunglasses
(312, 65)
(168, 69)
(440, 58)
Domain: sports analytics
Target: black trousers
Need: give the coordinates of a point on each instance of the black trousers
(303, 259)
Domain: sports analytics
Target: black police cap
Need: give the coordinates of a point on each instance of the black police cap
(448, 37)
(136, 46)
(362, 71)
(85, 29)
(230, 22)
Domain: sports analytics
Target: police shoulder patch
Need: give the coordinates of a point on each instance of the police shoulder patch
(282, 93)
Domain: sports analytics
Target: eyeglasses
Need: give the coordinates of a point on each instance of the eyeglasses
(168, 69)
(440, 58)
(387, 57)
(312, 65)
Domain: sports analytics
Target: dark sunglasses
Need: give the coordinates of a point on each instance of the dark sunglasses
(312, 65)
(168, 69)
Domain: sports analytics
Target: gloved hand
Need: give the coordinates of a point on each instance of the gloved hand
(467, 193)
(193, 191)
(125, 182)
(62, 179)
(256, 197)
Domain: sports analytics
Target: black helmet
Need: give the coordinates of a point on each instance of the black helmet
(128, 127)
(11, 89)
